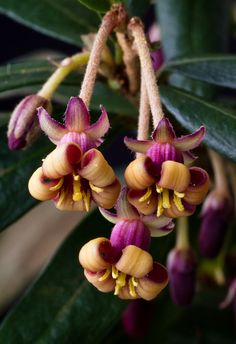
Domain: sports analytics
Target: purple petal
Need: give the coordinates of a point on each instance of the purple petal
(99, 128)
(160, 152)
(76, 116)
(157, 59)
(189, 158)
(109, 216)
(53, 129)
(191, 141)
(130, 232)
(124, 209)
(137, 145)
(164, 133)
(158, 226)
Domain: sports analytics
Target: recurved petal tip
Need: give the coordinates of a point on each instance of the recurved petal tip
(53, 129)
(191, 141)
(77, 117)
(100, 128)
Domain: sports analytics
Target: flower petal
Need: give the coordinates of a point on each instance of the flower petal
(137, 145)
(124, 209)
(99, 128)
(76, 116)
(53, 129)
(164, 133)
(109, 216)
(189, 158)
(158, 226)
(198, 187)
(106, 197)
(191, 141)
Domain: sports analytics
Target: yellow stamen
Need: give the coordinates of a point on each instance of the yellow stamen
(57, 186)
(146, 195)
(86, 199)
(61, 198)
(132, 284)
(178, 202)
(159, 206)
(166, 199)
(159, 189)
(120, 282)
(114, 272)
(95, 188)
(77, 194)
(179, 194)
(105, 275)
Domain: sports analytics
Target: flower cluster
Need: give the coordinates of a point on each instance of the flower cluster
(75, 172)
(160, 181)
(122, 263)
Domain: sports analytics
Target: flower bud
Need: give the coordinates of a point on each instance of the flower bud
(181, 265)
(23, 126)
(216, 215)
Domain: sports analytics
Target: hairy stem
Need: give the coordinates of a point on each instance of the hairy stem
(131, 62)
(114, 18)
(136, 28)
(218, 166)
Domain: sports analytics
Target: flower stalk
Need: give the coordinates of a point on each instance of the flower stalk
(182, 237)
(220, 179)
(65, 67)
(136, 28)
(114, 18)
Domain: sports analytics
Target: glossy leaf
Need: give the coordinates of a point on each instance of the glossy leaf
(63, 19)
(137, 8)
(62, 307)
(98, 6)
(15, 170)
(192, 29)
(215, 69)
(35, 73)
(192, 112)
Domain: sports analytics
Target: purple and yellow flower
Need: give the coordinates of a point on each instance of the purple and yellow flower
(160, 180)
(122, 263)
(75, 172)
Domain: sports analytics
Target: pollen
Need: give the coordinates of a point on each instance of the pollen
(177, 200)
(132, 285)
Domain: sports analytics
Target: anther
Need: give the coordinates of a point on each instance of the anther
(146, 195)
(57, 186)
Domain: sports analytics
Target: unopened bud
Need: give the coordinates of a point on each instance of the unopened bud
(181, 267)
(23, 126)
(216, 215)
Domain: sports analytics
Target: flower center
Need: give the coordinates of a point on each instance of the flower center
(163, 199)
(121, 280)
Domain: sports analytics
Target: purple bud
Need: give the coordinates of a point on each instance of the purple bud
(136, 318)
(181, 265)
(157, 59)
(130, 232)
(23, 126)
(216, 215)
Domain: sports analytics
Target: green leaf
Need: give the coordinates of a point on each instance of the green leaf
(98, 6)
(216, 69)
(63, 19)
(35, 73)
(15, 171)
(192, 112)
(62, 307)
(186, 28)
(137, 8)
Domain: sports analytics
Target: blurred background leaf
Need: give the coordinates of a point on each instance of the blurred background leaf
(216, 69)
(192, 111)
(65, 20)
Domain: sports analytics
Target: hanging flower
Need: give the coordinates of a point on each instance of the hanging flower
(160, 181)
(75, 172)
(123, 263)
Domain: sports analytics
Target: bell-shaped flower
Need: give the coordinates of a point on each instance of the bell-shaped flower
(123, 263)
(181, 265)
(216, 215)
(74, 174)
(159, 180)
